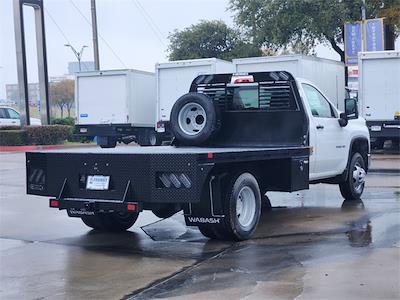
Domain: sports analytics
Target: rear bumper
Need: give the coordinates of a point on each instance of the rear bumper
(85, 207)
(113, 130)
(384, 129)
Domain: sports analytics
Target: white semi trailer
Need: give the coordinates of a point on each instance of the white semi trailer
(174, 79)
(117, 105)
(327, 74)
(379, 94)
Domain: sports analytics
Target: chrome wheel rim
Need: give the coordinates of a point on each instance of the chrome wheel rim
(246, 207)
(192, 118)
(358, 177)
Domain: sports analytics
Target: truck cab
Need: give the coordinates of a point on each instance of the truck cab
(330, 142)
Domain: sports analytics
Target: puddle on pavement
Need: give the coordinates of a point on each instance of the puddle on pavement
(271, 264)
(279, 222)
(238, 272)
(173, 229)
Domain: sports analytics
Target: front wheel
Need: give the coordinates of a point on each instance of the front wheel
(114, 222)
(353, 187)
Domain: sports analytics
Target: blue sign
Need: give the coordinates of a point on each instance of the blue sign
(374, 35)
(84, 115)
(352, 42)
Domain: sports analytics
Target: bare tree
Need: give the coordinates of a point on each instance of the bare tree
(62, 95)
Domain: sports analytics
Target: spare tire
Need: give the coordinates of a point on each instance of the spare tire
(194, 119)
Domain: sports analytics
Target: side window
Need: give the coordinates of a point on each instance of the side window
(13, 114)
(320, 107)
(3, 113)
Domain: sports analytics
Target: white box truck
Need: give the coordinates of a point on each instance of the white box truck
(379, 94)
(116, 105)
(327, 74)
(174, 79)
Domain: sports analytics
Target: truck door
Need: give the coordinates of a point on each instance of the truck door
(329, 145)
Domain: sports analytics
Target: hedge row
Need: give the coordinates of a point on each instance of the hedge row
(13, 137)
(35, 135)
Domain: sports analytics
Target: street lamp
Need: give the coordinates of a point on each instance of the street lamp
(77, 54)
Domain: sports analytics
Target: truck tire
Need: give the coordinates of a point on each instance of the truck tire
(378, 144)
(209, 231)
(242, 208)
(107, 142)
(149, 138)
(353, 187)
(194, 119)
(114, 222)
(164, 211)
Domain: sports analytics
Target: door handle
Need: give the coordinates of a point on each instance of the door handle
(320, 126)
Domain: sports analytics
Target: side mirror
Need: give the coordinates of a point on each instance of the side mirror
(343, 121)
(351, 108)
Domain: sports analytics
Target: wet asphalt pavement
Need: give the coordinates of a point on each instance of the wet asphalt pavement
(312, 245)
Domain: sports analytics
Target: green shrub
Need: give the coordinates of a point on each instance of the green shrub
(48, 134)
(10, 127)
(63, 121)
(13, 137)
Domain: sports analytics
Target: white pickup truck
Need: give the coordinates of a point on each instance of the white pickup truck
(236, 138)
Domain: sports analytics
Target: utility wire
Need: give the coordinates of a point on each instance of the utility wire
(62, 33)
(102, 38)
(58, 27)
(149, 20)
(161, 35)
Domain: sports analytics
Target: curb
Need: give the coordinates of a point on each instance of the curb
(386, 171)
(39, 147)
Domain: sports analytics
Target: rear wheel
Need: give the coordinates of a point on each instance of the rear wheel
(353, 187)
(149, 138)
(208, 231)
(242, 210)
(378, 144)
(111, 221)
(164, 211)
(106, 142)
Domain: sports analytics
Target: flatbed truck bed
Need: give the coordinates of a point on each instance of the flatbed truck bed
(154, 178)
(128, 167)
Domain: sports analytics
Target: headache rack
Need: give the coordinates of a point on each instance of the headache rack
(254, 107)
(274, 90)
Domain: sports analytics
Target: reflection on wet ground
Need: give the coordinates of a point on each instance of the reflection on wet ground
(307, 246)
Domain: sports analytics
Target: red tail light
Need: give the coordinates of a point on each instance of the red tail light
(53, 203)
(131, 207)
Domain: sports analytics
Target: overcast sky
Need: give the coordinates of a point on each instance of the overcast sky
(135, 30)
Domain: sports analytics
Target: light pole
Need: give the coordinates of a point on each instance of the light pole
(94, 33)
(77, 54)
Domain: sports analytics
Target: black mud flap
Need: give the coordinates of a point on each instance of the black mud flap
(210, 209)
